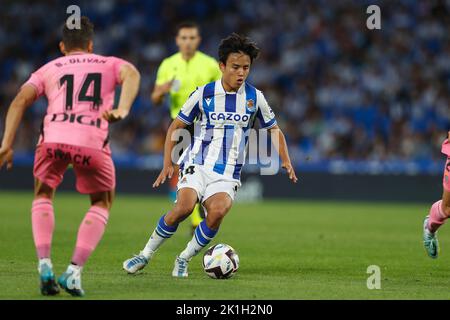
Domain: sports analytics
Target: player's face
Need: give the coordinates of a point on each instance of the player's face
(236, 69)
(188, 40)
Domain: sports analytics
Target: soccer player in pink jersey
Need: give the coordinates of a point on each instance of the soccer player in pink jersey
(440, 210)
(80, 90)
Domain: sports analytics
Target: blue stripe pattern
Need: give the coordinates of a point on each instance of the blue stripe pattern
(163, 230)
(230, 102)
(221, 162)
(208, 93)
(203, 234)
(186, 155)
(250, 94)
(189, 149)
(200, 156)
(230, 106)
(240, 160)
(262, 122)
(189, 119)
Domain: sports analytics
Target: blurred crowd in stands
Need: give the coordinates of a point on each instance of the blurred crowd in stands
(339, 90)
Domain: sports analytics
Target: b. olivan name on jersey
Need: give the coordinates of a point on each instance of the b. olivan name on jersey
(82, 119)
(229, 118)
(81, 60)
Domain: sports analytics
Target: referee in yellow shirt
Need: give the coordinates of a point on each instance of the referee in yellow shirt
(179, 75)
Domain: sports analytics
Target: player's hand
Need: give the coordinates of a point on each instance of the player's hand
(166, 172)
(290, 171)
(114, 115)
(6, 156)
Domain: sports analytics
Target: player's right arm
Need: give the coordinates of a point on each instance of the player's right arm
(186, 116)
(130, 79)
(169, 144)
(163, 83)
(21, 102)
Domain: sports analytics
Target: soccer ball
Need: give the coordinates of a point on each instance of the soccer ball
(220, 261)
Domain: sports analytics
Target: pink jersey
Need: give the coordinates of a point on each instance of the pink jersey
(79, 88)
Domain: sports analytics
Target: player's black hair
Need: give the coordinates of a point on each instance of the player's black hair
(236, 43)
(187, 24)
(78, 38)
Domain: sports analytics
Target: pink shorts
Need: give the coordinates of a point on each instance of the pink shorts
(446, 150)
(94, 169)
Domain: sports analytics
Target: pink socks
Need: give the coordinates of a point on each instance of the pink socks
(89, 235)
(437, 217)
(43, 224)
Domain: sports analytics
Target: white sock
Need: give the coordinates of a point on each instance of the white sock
(74, 268)
(192, 249)
(152, 245)
(43, 261)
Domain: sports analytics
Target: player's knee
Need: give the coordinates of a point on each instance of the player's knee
(181, 211)
(43, 191)
(102, 203)
(102, 199)
(186, 208)
(217, 212)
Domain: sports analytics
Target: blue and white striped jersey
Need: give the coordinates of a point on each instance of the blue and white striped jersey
(222, 123)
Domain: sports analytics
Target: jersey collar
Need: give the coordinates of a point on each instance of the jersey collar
(222, 90)
(77, 52)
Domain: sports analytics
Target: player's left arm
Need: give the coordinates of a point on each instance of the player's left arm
(130, 79)
(280, 144)
(19, 105)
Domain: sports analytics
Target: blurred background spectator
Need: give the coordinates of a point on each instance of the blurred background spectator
(343, 94)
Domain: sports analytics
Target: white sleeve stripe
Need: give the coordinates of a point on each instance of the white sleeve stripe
(270, 125)
(180, 116)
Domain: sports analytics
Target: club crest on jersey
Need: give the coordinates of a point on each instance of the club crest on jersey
(251, 105)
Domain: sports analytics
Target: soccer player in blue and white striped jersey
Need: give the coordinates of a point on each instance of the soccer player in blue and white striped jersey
(223, 112)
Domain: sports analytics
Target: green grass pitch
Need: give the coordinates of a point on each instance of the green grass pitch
(288, 250)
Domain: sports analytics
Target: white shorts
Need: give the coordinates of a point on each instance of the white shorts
(206, 182)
